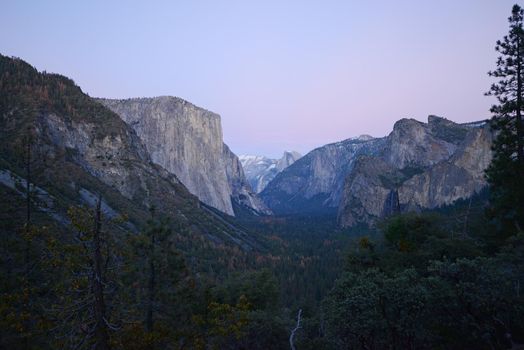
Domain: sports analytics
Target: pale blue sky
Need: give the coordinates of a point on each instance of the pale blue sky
(282, 74)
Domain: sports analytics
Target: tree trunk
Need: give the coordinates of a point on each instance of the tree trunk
(28, 182)
(28, 205)
(101, 334)
(518, 121)
(151, 286)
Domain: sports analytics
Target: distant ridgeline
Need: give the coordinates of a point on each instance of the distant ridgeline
(261, 170)
(417, 166)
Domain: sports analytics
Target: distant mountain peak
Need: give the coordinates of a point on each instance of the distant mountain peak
(260, 170)
(355, 177)
(363, 137)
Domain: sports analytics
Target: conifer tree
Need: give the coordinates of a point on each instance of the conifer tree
(507, 168)
(156, 287)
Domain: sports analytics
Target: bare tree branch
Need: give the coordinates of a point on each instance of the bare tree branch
(294, 330)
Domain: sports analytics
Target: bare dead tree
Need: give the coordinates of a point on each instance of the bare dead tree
(27, 229)
(295, 330)
(84, 314)
(28, 179)
(28, 197)
(152, 278)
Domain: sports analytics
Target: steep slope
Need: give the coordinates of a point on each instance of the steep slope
(187, 141)
(80, 149)
(422, 166)
(458, 177)
(261, 170)
(183, 139)
(416, 144)
(314, 183)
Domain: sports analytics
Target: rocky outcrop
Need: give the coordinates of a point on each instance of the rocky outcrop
(187, 141)
(287, 159)
(422, 166)
(367, 186)
(314, 183)
(82, 151)
(458, 177)
(110, 157)
(416, 144)
(261, 170)
(417, 166)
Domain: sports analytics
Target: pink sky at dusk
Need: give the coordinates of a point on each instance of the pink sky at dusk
(284, 75)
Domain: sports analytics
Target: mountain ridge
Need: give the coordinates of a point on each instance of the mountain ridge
(260, 170)
(188, 141)
(81, 149)
(318, 182)
(313, 183)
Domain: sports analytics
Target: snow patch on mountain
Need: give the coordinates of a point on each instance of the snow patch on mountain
(260, 170)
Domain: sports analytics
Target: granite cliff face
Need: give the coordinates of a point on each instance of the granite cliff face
(187, 141)
(314, 183)
(261, 170)
(416, 144)
(455, 178)
(111, 157)
(287, 159)
(81, 149)
(417, 166)
(422, 166)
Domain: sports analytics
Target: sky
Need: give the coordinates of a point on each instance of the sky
(283, 75)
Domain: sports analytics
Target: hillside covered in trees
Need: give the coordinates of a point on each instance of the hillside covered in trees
(103, 249)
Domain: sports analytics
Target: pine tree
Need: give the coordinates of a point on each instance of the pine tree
(156, 287)
(507, 168)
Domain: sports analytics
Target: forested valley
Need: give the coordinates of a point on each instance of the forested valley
(80, 274)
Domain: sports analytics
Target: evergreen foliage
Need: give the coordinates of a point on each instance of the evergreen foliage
(507, 167)
(164, 278)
